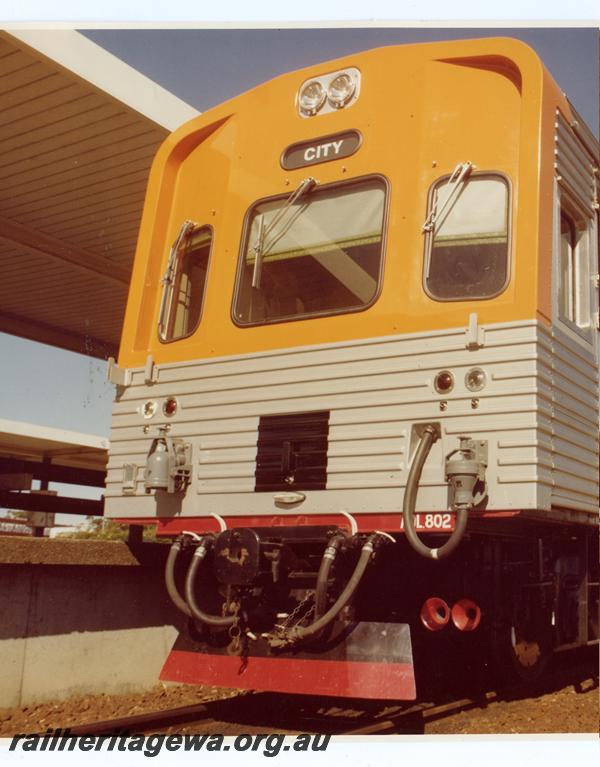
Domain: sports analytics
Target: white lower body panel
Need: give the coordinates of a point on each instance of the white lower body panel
(538, 413)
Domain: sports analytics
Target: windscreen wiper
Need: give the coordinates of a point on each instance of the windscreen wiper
(169, 275)
(260, 247)
(459, 174)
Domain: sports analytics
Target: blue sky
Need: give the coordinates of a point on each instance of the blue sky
(52, 387)
(205, 67)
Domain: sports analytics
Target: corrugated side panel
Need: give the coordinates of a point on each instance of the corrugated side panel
(584, 134)
(575, 425)
(574, 166)
(376, 391)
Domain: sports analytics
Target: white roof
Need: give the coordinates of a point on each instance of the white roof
(81, 57)
(78, 131)
(65, 448)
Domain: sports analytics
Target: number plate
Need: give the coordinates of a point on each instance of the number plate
(432, 522)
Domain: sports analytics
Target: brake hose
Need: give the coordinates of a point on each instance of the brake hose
(429, 436)
(172, 591)
(304, 632)
(329, 556)
(216, 621)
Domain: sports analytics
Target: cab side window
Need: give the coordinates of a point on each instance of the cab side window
(185, 282)
(574, 269)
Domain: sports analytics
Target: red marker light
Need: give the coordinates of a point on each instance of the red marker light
(170, 407)
(444, 382)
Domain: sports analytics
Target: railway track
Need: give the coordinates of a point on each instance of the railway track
(394, 719)
(250, 712)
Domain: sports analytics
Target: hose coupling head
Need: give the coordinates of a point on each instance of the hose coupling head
(188, 538)
(465, 472)
(334, 544)
(279, 642)
(370, 543)
(203, 547)
(168, 464)
(183, 541)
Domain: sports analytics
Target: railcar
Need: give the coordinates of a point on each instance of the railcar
(358, 377)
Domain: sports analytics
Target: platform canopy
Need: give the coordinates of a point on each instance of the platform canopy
(30, 442)
(29, 452)
(78, 131)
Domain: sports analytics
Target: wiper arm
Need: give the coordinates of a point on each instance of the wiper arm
(459, 174)
(258, 252)
(259, 247)
(169, 275)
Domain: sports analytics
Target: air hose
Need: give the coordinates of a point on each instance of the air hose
(329, 556)
(305, 632)
(172, 591)
(429, 436)
(216, 621)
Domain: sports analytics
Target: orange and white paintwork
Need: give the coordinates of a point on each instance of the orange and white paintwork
(422, 109)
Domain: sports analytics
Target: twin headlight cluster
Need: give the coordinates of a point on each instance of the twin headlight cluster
(475, 380)
(328, 93)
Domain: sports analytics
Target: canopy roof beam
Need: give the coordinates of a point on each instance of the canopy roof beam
(47, 245)
(47, 334)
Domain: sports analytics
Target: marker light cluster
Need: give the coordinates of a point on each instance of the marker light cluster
(328, 92)
(169, 407)
(475, 380)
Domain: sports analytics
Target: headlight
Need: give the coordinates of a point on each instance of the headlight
(444, 382)
(341, 89)
(312, 97)
(475, 379)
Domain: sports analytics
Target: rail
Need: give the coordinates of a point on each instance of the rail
(295, 714)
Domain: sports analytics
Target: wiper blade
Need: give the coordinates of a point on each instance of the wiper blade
(186, 228)
(459, 174)
(169, 275)
(258, 252)
(261, 247)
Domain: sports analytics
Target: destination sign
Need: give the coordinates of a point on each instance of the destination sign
(322, 149)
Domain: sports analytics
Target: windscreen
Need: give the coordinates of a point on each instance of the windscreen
(314, 252)
(468, 245)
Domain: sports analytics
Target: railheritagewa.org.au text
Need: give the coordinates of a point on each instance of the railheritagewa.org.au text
(268, 744)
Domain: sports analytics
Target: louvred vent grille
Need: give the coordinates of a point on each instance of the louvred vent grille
(292, 452)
